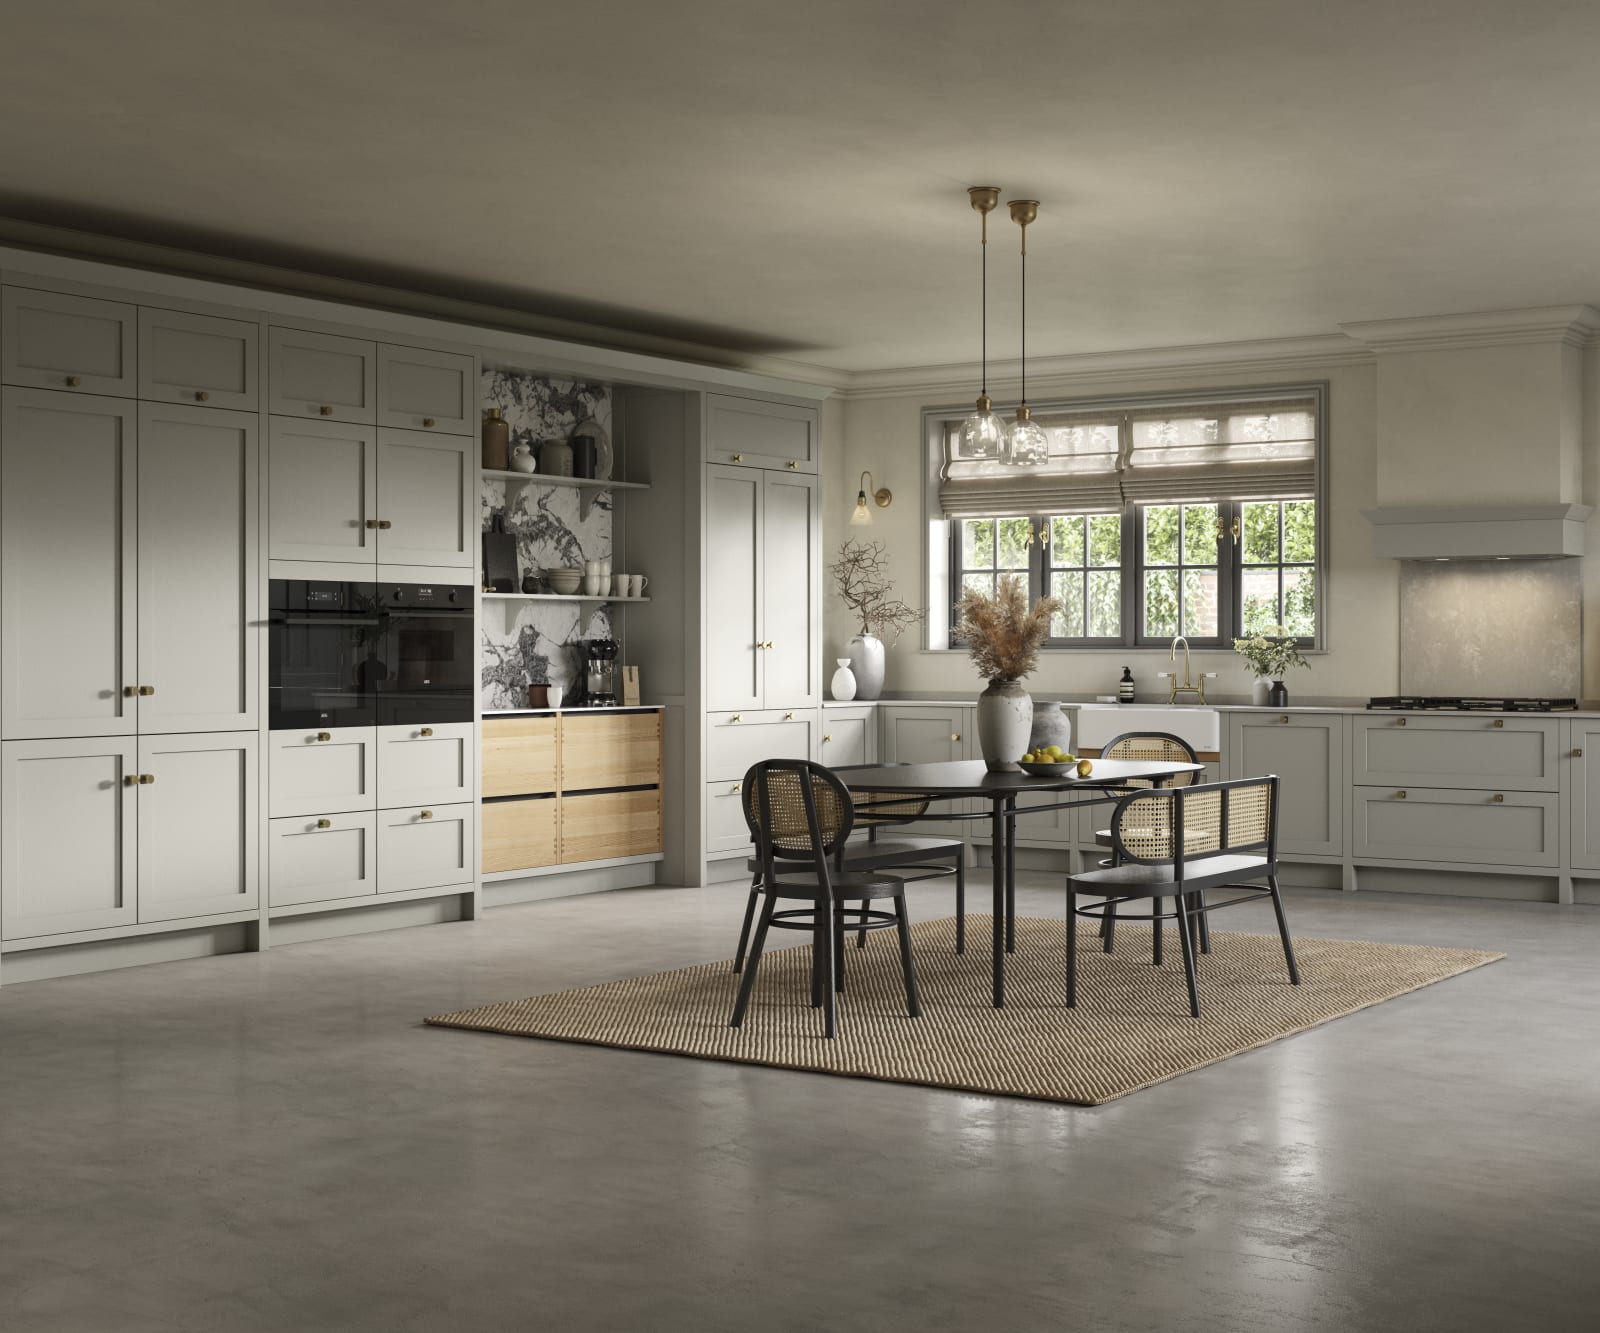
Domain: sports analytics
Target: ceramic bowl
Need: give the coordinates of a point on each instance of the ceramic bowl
(1050, 770)
(564, 581)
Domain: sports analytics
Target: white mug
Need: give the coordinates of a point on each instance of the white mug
(637, 583)
(619, 585)
(554, 694)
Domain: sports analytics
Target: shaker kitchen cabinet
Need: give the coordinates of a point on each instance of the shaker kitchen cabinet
(1584, 783)
(1520, 753)
(324, 858)
(311, 772)
(932, 734)
(50, 340)
(748, 432)
(427, 499)
(68, 589)
(322, 376)
(199, 359)
(425, 765)
(427, 847)
(322, 491)
(419, 389)
(197, 569)
(762, 535)
(849, 736)
(1306, 750)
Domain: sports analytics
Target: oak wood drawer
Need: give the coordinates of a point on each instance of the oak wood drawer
(610, 750)
(520, 755)
(519, 835)
(600, 825)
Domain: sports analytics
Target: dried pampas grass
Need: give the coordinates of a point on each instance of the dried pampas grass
(1000, 633)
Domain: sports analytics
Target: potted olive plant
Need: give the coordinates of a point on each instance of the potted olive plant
(861, 578)
(1003, 638)
(1271, 654)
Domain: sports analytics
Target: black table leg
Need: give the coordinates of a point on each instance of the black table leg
(998, 842)
(1011, 874)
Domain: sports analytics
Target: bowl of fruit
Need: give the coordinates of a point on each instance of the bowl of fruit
(1051, 761)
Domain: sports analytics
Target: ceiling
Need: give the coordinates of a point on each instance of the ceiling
(787, 180)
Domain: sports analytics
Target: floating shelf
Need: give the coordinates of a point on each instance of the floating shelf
(586, 486)
(552, 597)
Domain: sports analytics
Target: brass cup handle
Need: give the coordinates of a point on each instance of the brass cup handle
(128, 691)
(426, 731)
(201, 396)
(426, 814)
(145, 779)
(324, 823)
(1498, 722)
(738, 458)
(372, 523)
(1499, 799)
(1284, 718)
(1578, 753)
(1399, 721)
(325, 410)
(427, 421)
(73, 381)
(1399, 796)
(385, 524)
(130, 781)
(146, 691)
(324, 735)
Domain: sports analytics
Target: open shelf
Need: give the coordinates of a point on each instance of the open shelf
(553, 597)
(586, 486)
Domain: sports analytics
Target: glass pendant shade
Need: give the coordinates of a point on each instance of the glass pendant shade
(1026, 443)
(860, 516)
(983, 434)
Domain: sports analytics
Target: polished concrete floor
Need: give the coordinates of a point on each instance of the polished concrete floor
(273, 1142)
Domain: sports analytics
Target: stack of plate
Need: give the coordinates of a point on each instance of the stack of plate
(564, 581)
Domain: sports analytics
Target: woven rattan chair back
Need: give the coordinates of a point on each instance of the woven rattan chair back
(1153, 747)
(887, 807)
(798, 809)
(1214, 818)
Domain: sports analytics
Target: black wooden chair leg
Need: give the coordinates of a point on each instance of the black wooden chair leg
(1072, 949)
(1156, 933)
(1187, 941)
(838, 949)
(961, 902)
(1283, 931)
(1108, 927)
(1204, 921)
(828, 938)
(744, 930)
(903, 930)
(754, 962)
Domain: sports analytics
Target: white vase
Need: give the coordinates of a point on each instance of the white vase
(1260, 687)
(843, 684)
(1051, 726)
(866, 652)
(1005, 721)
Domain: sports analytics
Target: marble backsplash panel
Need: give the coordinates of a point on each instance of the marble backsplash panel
(526, 643)
(1491, 628)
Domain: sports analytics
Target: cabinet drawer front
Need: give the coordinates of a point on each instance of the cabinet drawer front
(1435, 824)
(425, 847)
(610, 750)
(424, 765)
(734, 745)
(322, 488)
(53, 341)
(198, 825)
(844, 741)
(760, 434)
(307, 864)
(602, 825)
(519, 755)
(519, 835)
(423, 390)
(320, 375)
(307, 776)
(1511, 752)
(726, 829)
(197, 359)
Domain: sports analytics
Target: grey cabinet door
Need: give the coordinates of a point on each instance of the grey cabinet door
(849, 736)
(733, 588)
(198, 359)
(67, 836)
(419, 389)
(321, 376)
(49, 340)
(68, 525)
(199, 853)
(791, 662)
(1584, 766)
(749, 432)
(198, 569)
(925, 734)
(427, 495)
(322, 491)
(1306, 751)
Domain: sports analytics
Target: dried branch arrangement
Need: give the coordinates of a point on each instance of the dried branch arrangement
(1001, 634)
(861, 578)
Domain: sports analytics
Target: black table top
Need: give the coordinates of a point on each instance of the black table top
(971, 777)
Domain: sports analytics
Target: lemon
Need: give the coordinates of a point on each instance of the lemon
(1084, 768)
(1029, 759)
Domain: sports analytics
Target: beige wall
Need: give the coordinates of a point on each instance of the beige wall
(884, 434)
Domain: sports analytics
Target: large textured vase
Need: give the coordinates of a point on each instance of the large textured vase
(1005, 721)
(1051, 726)
(866, 660)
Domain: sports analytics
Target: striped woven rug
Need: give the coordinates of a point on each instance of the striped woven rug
(1131, 1028)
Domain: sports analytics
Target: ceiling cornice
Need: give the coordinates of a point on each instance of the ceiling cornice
(1572, 325)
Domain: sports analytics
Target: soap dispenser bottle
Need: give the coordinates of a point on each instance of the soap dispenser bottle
(1125, 687)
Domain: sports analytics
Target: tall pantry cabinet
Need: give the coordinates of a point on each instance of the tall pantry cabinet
(129, 582)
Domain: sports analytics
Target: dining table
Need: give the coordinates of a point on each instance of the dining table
(971, 779)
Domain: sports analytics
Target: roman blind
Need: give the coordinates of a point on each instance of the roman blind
(1259, 447)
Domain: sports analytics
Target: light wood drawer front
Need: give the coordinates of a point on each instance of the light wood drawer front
(420, 389)
(520, 755)
(50, 340)
(197, 359)
(1425, 751)
(758, 434)
(308, 776)
(310, 864)
(610, 750)
(424, 765)
(726, 830)
(738, 740)
(602, 825)
(519, 835)
(1433, 824)
(425, 847)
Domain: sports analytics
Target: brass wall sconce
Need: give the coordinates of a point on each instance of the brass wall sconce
(860, 516)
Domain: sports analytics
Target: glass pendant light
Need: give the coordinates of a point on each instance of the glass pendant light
(1026, 443)
(983, 433)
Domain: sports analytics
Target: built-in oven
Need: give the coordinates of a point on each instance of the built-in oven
(355, 654)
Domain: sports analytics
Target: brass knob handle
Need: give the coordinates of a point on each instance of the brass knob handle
(145, 779)
(737, 717)
(793, 466)
(325, 410)
(1578, 753)
(955, 735)
(127, 691)
(426, 814)
(738, 458)
(427, 421)
(73, 381)
(736, 788)
(324, 823)
(1284, 718)
(385, 524)
(147, 690)
(828, 736)
(201, 396)
(372, 523)
(1498, 722)
(324, 735)
(130, 780)
(788, 717)
(1399, 796)
(426, 731)
(1399, 721)
(1499, 799)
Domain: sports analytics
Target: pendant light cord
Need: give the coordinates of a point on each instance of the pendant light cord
(983, 319)
(1024, 316)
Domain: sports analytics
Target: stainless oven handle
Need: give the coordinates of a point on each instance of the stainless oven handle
(324, 620)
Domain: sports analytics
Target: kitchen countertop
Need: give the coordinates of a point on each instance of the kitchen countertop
(547, 712)
(1229, 704)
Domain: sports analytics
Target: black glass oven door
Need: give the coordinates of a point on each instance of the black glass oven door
(432, 660)
(325, 654)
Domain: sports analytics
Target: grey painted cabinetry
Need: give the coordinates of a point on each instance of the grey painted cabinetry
(1306, 750)
(54, 340)
(735, 741)
(849, 737)
(1583, 811)
(930, 734)
(751, 432)
(198, 359)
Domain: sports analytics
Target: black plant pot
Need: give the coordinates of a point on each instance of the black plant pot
(1278, 695)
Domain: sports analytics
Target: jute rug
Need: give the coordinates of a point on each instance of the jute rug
(1131, 1028)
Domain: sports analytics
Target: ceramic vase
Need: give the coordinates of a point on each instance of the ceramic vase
(866, 653)
(1051, 726)
(1005, 721)
(843, 684)
(496, 441)
(1260, 689)
(1278, 695)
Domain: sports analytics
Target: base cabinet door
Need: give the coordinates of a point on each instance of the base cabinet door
(313, 772)
(849, 736)
(322, 858)
(1306, 750)
(429, 765)
(68, 836)
(427, 496)
(198, 821)
(726, 829)
(1450, 825)
(519, 834)
(1584, 781)
(322, 491)
(923, 734)
(425, 847)
(600, 825)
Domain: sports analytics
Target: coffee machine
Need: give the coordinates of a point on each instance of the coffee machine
(600, 675)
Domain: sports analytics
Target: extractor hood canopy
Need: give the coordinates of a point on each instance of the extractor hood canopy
(1478, 532)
